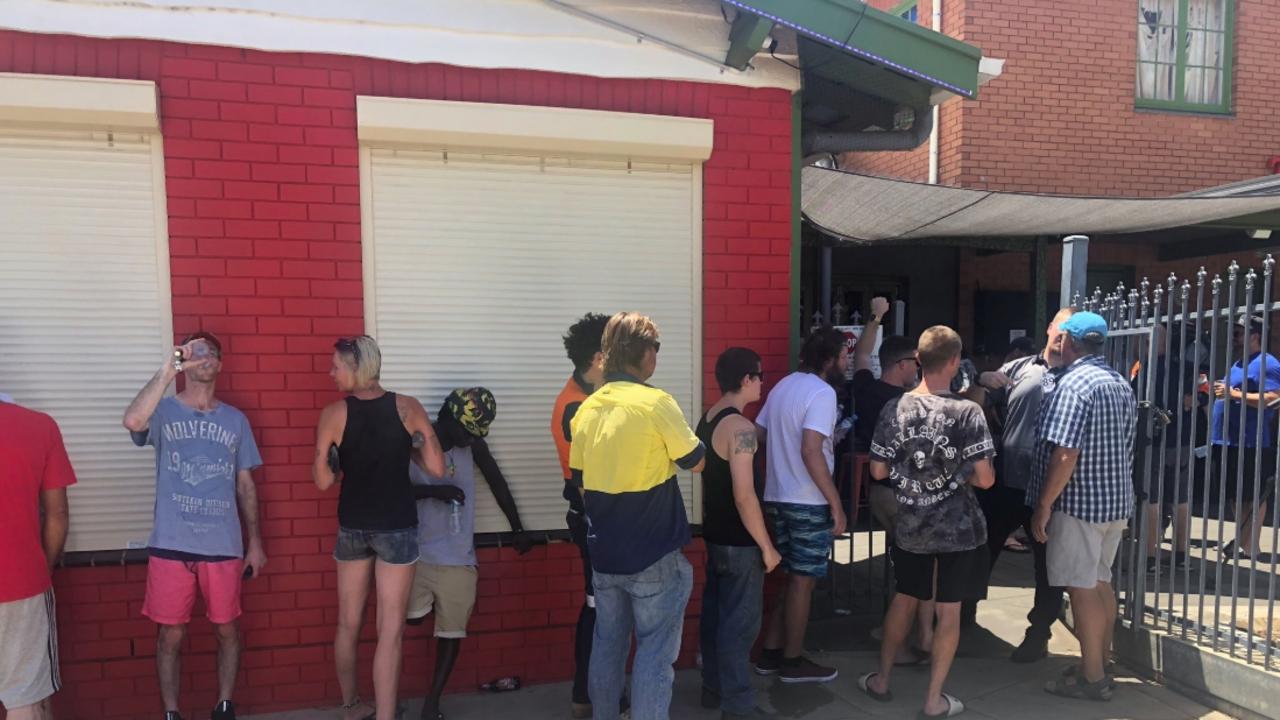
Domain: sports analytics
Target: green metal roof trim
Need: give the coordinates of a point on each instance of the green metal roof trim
(877, 37)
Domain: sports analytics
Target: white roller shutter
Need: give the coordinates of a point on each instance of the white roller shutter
(475, 265)
(85, 308)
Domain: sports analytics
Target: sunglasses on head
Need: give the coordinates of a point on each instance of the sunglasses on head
(350, 346)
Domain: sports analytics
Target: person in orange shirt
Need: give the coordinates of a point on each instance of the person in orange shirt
(582, 344)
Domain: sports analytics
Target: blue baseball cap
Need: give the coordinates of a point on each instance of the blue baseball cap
(1084, 325)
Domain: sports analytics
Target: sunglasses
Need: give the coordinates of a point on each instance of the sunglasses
(350, 346)
(657, 346)
(758, 375)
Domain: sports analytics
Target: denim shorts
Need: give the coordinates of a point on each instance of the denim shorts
(394, 547)
(802, 535)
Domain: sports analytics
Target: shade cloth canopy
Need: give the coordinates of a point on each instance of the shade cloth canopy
(867, 209)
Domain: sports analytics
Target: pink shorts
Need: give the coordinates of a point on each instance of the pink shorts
(171, 590)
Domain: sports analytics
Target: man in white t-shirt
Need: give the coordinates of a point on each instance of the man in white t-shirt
(800, 498)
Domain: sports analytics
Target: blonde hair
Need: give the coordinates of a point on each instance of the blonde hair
(938, 346)
(364, 357)
(626, 339)
(1063, 315)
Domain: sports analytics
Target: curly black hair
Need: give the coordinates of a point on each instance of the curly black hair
(582, 342)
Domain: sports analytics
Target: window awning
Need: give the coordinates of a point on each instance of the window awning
(865, 209)
(874, 52)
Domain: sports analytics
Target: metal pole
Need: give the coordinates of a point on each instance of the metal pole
(1243, 448)
(826, 285)
(1267, 266)
(1216, 291)
(1184, 367)
(1075, 266)
(1039, 283)
(1233, 273)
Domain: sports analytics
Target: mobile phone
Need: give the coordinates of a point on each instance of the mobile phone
(248, 572)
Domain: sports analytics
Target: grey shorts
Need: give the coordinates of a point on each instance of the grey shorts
(1080, 554)
(394, 547)
(29, 652)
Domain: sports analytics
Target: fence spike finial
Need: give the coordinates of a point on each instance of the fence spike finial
(1185, 290)
(1217, 284)
(1268, 265)
(1249, 277)
(1233, 271)
(1200, 276)
(1171, 281)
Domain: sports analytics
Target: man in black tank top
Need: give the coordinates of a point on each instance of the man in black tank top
(739, 551)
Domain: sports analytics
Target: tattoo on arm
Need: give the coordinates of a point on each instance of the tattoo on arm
(745, 442)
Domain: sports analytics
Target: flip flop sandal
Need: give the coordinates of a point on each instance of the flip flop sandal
(954, 708)
(864, 684)
(1077, 689)
(1109, 672)
(920, 657)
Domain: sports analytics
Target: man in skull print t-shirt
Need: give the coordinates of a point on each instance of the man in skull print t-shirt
(930, 443)
(933, 448)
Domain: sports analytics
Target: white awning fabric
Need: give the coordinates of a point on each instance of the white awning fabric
(866, 209)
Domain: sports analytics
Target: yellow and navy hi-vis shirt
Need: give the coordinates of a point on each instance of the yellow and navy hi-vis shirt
(628, 438)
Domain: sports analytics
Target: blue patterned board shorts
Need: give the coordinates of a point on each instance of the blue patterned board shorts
(802, 535)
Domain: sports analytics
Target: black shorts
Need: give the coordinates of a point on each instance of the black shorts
(1169, 468)
(961, 575)
(1235, 457)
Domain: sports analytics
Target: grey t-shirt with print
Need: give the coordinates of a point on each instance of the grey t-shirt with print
(198, 455)
(930, 443)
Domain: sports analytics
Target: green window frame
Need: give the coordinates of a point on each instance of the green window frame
(1183, 63)
(908, 10)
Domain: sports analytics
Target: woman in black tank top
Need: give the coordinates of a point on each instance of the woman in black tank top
(370, 437)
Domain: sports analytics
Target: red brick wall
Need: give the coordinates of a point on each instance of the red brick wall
(264, 220)
(1061, 118)
(914, 164)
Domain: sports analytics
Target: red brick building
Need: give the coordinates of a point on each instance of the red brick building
(229, 174)
(1068, 116)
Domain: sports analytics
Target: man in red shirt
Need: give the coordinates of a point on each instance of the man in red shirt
(582, 343)
(33, 503)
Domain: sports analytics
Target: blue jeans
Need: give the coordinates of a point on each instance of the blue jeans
(652, 603)
(732, 602)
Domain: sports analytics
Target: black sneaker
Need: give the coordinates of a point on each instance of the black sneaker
(1233, 551)
(770, 662)
(1180, 560)
(804, 670)
(1151, 565)
(172, 715)
(757, 713)
(1033, 648)
(710, 699)
(223, 711)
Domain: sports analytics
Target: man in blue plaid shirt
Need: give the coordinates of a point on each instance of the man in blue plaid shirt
(1082, 492)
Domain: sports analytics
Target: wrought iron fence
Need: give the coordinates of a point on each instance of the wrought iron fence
(1195, 584)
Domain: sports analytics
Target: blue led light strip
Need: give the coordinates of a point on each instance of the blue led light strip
(856, 51)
